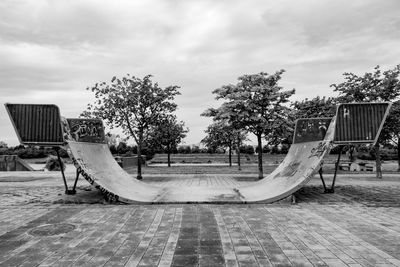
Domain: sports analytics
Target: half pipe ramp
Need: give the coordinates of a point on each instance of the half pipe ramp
(96, 164)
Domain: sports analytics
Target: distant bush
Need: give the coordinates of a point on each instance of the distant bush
(61, 151)
(335, 150)
(285, 148)
(204, 150)
(274, 150)
(220, 151)
(247, 149)
(122, 148)
(195, 149)
(363, 149)
(366, 156)
(268, 149)
(31, 152)
(184, 149)
(210, 150)
(134, 149)
(368, 153)
(389, 154)
(52, 164)
(113, 149)
(129, 154)
(149, 156)
(386, 154)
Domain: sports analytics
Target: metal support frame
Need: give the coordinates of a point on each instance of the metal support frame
(67, 191)
(76, 180)
(332, 188)
(322, 178)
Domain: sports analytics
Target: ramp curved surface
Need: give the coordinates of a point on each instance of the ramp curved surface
(97, 165)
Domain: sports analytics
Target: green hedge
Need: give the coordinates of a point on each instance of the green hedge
(31, 152)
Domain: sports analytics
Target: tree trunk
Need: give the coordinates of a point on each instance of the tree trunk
(398, 153)
(169, 156)
(260, 164)
(351, 154)
(378, 162)
(139, 154)
(230, 156)
(238, 155)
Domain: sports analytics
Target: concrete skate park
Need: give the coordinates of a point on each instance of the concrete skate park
(296, 216)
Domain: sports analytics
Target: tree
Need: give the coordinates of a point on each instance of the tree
(222, 135)
(254, 104)
(132, 104)
(372, 86)
(167, 135)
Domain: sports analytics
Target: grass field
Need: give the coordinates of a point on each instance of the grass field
(197, 164)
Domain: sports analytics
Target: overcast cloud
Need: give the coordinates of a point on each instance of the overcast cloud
(50, 51)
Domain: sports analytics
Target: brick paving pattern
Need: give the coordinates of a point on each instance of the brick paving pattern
(359, 225)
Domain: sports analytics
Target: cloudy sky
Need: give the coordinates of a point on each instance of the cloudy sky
(50, 51)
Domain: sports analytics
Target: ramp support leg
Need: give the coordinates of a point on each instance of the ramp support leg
(76, 181)
(67, 191)
(332, 189)
(322, 178)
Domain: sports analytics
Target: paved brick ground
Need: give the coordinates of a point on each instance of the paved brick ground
(359, 225)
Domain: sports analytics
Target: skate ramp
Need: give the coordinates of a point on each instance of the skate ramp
(97, 165)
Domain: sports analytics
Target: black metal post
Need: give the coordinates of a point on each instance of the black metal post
(332, 189)
(76, 181)
(322, 178)
(67, 191)
(61, 169)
